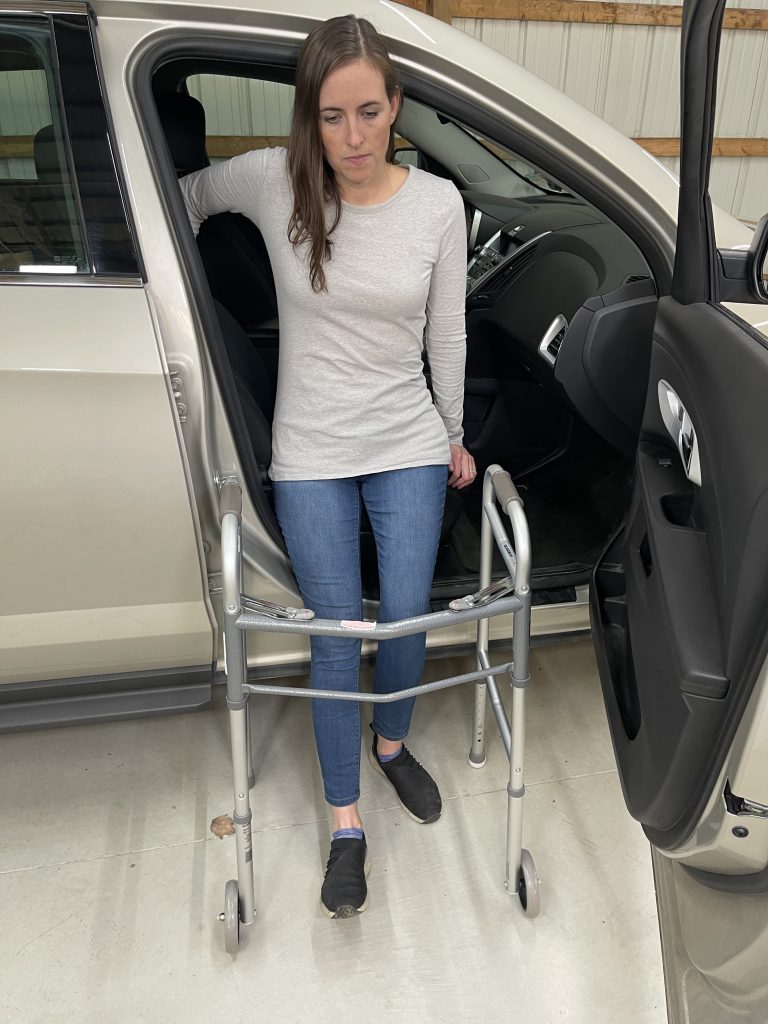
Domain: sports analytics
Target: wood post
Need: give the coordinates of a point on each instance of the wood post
(442, 9)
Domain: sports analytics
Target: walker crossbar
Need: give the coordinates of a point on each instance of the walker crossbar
(377, 630)
(380, 698)
(245, 614)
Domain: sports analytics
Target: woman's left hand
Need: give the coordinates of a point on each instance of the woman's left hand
(462, 467)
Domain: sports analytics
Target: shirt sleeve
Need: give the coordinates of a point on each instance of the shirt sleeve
(235, 186)
(446, 337)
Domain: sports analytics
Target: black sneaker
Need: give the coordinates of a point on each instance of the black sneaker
(415, 788)
(345, 892)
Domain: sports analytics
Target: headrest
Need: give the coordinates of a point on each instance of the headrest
(183, 121)
(47, 165)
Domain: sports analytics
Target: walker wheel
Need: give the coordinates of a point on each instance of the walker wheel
(231, 917)
(528, 886)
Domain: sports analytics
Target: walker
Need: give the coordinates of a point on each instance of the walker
(512, 594)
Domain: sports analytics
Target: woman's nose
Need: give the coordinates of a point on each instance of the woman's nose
(355, 135)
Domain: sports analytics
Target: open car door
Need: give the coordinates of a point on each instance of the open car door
(679, 600)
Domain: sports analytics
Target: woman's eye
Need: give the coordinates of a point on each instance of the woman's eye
(371, 114)
(332, 119)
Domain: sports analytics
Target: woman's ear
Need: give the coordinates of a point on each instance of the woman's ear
(394, 106)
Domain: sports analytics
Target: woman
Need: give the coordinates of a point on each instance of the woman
(365, 253)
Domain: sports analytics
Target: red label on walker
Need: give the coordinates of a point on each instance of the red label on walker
(362, 624)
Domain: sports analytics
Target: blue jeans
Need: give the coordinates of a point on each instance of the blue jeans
(320, 520)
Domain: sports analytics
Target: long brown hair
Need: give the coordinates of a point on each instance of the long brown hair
(331, 45)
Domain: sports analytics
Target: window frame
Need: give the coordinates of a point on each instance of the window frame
(122, 263)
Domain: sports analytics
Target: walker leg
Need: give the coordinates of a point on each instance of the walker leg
(242, 890)
(477, 750)
(249, 744)
(242, 813)
(521, 879)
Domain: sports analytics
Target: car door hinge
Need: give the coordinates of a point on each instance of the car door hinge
(179, 394)
(214, 583)
(740, 805)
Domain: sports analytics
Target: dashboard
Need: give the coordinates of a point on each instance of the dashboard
(534, 262)
(558, 296)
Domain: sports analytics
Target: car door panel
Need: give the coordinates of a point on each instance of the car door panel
(680, 637)
(95, 497)
(679, 600)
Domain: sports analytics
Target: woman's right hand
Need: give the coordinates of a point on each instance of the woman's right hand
(462, 471)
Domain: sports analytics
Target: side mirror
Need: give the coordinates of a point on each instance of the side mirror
(743, 273)
(758, 260)
(410, 155)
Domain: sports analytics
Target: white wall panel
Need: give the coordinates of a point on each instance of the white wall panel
(239, 106)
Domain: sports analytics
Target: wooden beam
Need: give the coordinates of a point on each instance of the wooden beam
(232, 145)
(223, 146)
(19, 146)
(720, 147)
(442, 9)
(588, 12)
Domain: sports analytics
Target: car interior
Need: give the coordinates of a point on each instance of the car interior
(560, 306)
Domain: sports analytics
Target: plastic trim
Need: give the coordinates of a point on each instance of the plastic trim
(57, 702)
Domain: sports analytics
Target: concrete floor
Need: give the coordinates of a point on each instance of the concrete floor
(111, 882)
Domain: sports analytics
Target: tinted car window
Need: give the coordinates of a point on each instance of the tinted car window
(39, 223)
(107, 230)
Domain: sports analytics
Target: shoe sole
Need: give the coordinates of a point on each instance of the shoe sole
(376, 765)
(343, 912)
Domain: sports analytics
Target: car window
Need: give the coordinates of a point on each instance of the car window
(242, 113)
(250, 113)
(529, 179)
(39, 224)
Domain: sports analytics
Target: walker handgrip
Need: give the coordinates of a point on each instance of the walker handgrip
(230, 499)
(505, 489)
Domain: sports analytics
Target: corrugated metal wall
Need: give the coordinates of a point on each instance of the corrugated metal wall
(237, 106)
(629, 75)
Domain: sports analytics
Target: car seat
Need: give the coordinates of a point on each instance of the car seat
(231, 246)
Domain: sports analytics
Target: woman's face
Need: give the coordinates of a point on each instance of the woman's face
(355, 117)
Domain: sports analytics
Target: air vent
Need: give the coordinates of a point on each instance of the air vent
(554, 346)
(549, 346)
(512, 268)
(631, 278)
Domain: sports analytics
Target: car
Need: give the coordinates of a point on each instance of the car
(616, 367)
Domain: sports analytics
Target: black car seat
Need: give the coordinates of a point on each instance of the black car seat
(231, 246)
(46, 156)
(46, 201)
(254, 386)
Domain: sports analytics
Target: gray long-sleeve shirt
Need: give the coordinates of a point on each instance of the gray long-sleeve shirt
(351, 393)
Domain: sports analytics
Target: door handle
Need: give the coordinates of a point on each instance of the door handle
(681, 430)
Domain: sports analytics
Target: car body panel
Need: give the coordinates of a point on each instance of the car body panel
(100, 557)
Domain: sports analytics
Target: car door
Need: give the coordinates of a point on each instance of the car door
(680, 598)
(103, 598)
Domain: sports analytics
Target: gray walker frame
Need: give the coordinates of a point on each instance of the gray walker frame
(242, 613)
